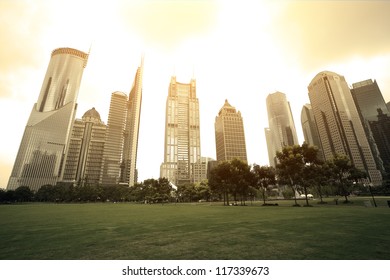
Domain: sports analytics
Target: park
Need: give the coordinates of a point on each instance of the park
(196, 231)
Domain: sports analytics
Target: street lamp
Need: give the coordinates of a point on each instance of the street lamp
(372, 195)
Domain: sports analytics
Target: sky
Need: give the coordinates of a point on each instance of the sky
(236, 50)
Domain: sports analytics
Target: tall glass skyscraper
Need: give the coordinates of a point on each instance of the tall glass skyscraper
(374, 113)
(281, 131)
(129, 161)
(229, 134)
(44, 143)
(368, 99)
(113, 149)
(182, 133)
(309, 128)
(338, 123)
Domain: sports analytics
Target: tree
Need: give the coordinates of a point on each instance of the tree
(318, 176)
(231, 178)
(264, 176)
(312, 164)
(290, 167)
(203, 190)
(240, 180)
(345, 174)
(219, 180)
(23, 194)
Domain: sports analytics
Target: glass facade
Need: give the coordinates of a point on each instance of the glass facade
(129, 164)
(44, 143)
(112, 157)
(182, 133)
(281, 131)
(229, 134)
(309, 129)
(338, 123)
(372, 108)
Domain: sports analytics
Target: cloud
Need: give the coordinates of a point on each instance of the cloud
(22, 23)
(320, 32)
(167, 23)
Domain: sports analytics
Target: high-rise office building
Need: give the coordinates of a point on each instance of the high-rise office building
(44, 143)
(200, 169)
(229, 134)
(281, 131)
(338, 123)
(373, 113)
(113, 149)
(368, 99)
(380, 130)
(129, 160)
(309, 129)
(84, 158)
(182, 133)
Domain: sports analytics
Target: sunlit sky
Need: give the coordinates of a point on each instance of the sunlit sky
(236, 50)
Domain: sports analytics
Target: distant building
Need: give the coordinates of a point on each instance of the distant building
(44, 143)
(381, 132)
(210, 166)
(369, 101)
(200, 169)
(229, 134)
(112, 158)
(84, 158)
(309, 129)
(338, 123)
(281, 131)
(182, 133)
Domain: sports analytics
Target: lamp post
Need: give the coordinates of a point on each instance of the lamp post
(372, 195)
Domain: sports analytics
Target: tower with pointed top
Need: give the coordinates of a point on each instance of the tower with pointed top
(41, 153)
(229, 134)
(182, 133)
(129, 173)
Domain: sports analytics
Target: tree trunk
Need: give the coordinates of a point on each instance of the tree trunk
(307, 201)
(227, 198)
(320, 193)
(293, 189)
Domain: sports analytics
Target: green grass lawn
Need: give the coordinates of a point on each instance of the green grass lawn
(195, 231)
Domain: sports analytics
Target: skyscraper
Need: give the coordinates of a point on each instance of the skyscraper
(338, 123)
(129, 159)
(368, 99)
(381, 132)
(309, 129)
(373, 113)
(44, 143)
(182, 133)
(84, 158)
(113, 149)
(282, 130)
(229, 134)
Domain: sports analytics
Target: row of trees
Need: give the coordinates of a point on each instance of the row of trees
(298, 170)
(150, 190)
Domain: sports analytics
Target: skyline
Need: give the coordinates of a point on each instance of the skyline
(198, 40)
